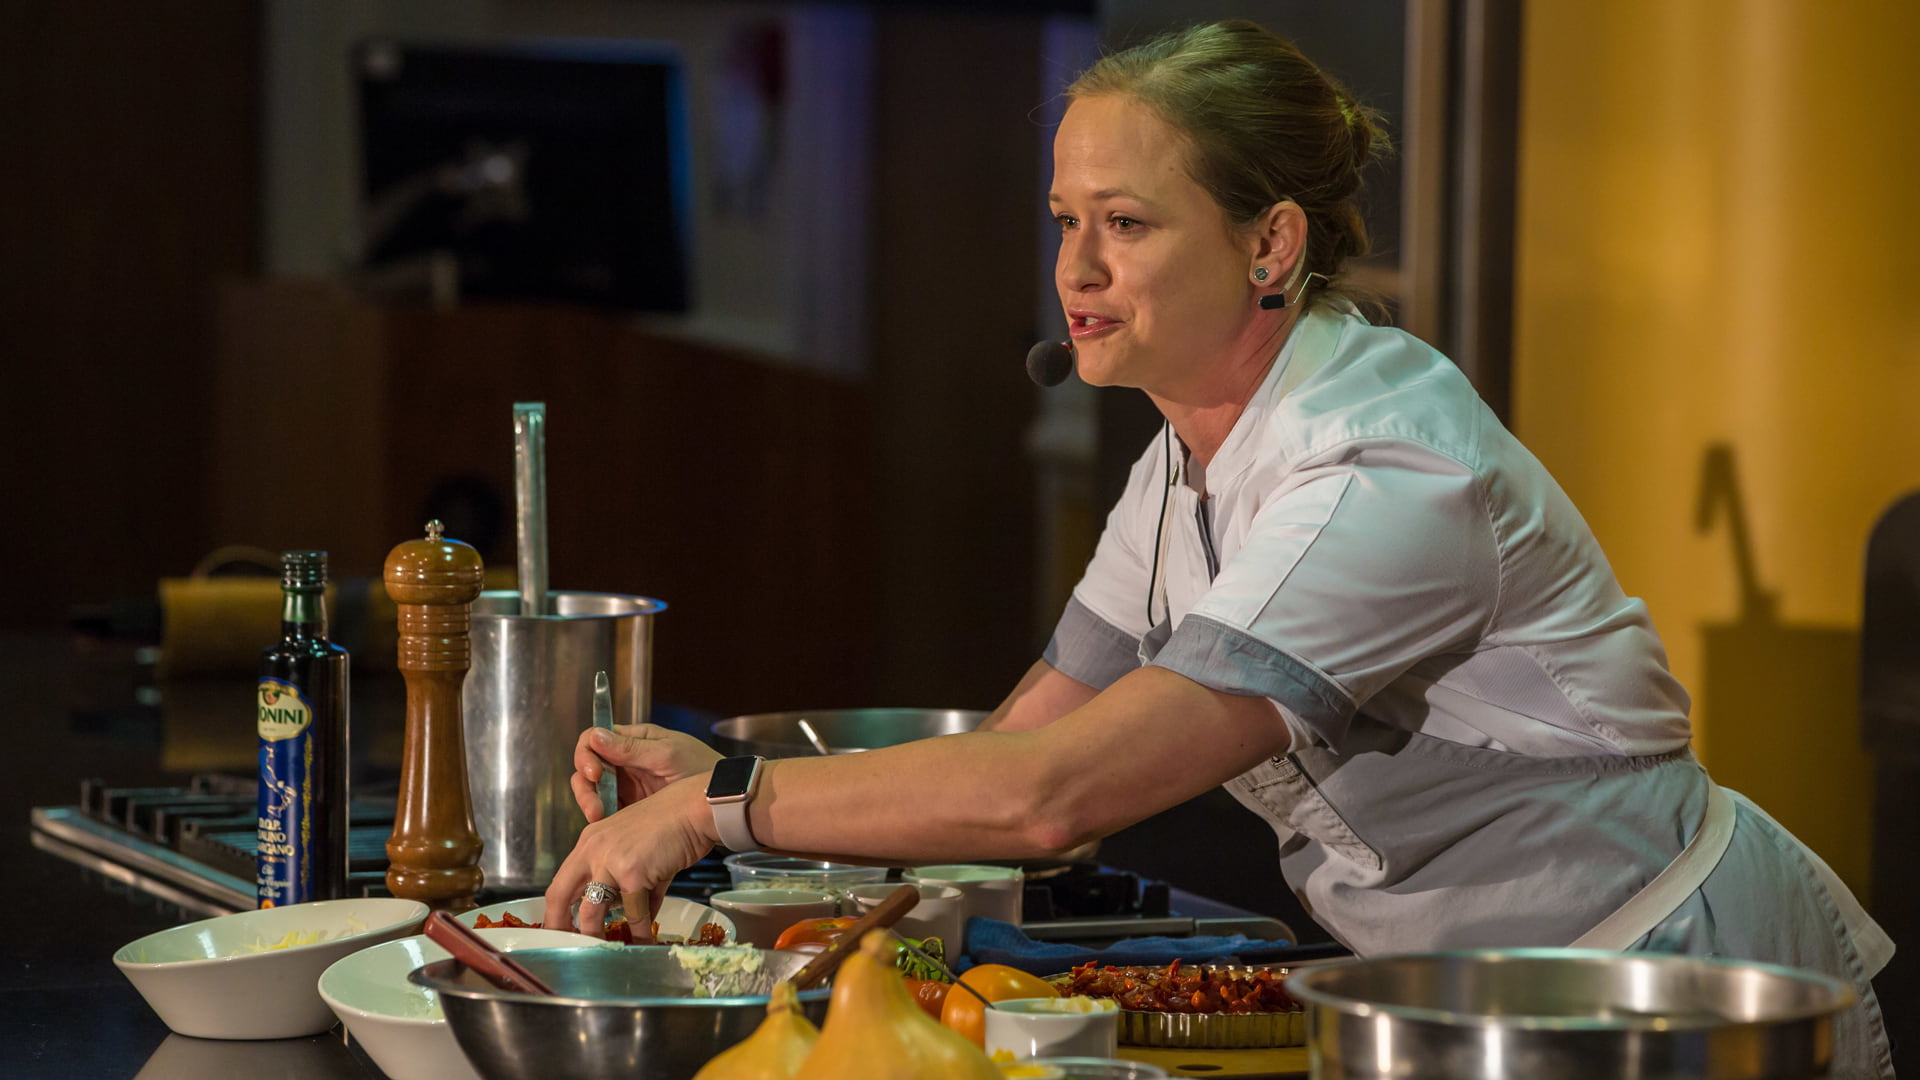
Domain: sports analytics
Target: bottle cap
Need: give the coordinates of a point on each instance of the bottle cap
(303, 570)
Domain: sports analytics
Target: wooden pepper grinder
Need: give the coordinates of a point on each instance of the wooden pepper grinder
(434, 850)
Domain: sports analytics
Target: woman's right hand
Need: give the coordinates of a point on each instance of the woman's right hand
(644, 757)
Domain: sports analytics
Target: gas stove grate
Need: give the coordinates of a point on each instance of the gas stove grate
(193, 846)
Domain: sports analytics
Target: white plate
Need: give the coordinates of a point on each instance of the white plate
(679, 919)
(399, 1024)
(203, 981)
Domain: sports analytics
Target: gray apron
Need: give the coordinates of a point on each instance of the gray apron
(1407, 843)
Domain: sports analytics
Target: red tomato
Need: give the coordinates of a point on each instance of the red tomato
(813, 935)
(929, 994)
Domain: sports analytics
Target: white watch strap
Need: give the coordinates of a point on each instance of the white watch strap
(730, 821)
(730, 813)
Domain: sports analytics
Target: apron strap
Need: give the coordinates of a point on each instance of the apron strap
(1670, 888)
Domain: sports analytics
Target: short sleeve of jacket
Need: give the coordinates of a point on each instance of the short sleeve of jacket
(1354, 570)
(1098, 637)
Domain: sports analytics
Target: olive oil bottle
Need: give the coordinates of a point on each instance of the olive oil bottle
(301, 716)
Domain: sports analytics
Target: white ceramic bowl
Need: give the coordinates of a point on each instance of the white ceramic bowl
(203, 980)
(679, 919)
(1032, 1028)
(990, 892)
(762, 915)
(940, 912)
(399, 1024)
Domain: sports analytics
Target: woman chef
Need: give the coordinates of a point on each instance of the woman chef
(1334, 584)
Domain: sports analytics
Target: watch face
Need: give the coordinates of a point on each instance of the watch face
(730, 776)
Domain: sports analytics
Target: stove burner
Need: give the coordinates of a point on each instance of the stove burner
(1085, 890)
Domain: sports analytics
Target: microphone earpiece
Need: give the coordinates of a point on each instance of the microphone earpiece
(1050, 362)
(1276, 301)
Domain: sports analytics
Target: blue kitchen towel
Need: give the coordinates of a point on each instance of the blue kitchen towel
(990, 941)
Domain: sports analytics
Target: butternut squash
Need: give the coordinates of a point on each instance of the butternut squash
(875, 1031)
(775, 1050)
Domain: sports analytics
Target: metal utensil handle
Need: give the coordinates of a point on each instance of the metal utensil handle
(883, 916)
(530, 503)
(609, 786)
(479, 954)
(819, 744)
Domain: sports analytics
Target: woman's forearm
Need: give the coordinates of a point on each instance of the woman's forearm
(1151, 741)
(1042, 696)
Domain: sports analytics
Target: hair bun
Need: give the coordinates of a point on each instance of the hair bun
(1366, 135)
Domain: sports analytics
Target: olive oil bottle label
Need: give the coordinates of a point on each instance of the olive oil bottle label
(283, 856)
(284, 714)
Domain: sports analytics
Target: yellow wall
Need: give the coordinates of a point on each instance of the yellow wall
(1719, 243)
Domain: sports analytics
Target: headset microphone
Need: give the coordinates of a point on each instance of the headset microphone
(1050, 362)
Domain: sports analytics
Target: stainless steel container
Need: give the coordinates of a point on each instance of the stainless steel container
(845, 731)
(625, 1013)
(850, 731)
(1568, 1014)
(527, 699)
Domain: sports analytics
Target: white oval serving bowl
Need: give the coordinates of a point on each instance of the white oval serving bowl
(203, 981)
(678, 919)
(399, 1024)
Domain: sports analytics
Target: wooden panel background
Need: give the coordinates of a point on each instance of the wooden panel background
(733, 489)
(128, 178)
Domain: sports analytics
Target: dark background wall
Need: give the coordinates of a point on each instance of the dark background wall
(166, 400)
(825, 541)
(128, 178)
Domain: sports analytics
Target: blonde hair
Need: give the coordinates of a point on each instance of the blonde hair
(1265, 124)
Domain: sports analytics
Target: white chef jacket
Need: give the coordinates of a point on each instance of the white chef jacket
(1370, 550)
(1369, 536)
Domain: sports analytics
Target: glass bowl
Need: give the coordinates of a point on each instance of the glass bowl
(760, 870)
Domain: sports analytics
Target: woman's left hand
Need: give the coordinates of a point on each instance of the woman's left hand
(635, 853)
(644, 757)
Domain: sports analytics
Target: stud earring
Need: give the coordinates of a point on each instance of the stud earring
(1259, 273)
(1276, 301)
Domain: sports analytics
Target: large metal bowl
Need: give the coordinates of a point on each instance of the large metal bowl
(845, 731)
(851, 731)
(619, 1013)
(1568, 1014)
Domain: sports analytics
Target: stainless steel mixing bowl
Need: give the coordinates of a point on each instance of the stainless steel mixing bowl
(1569, 1014)
(625, 1013)
(850, 731)
(845, 731)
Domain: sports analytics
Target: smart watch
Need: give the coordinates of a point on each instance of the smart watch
(729, 792)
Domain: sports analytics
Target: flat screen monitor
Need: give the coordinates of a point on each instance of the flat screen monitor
(548, 171)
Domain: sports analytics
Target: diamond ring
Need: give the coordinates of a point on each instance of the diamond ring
(599, 892)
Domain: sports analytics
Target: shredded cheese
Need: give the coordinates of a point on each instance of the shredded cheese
(305, 937)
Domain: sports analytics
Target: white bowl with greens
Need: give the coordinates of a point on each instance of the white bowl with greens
(399, 1024)
(255, 974)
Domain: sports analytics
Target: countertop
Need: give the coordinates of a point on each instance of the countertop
(75, 708)
(67, 710)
